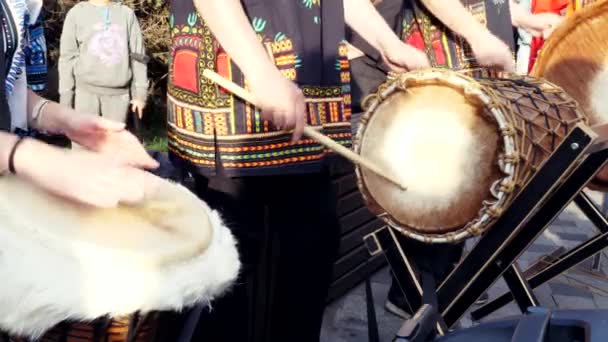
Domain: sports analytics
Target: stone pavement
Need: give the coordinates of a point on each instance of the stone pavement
(346, 319)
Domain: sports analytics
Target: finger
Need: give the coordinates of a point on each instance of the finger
(278, 119)
(109, 125)
(133, 191)
(140, 158)
(300, 111)
(140, 111)
(290, 118)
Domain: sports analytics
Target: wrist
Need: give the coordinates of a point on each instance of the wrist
(387, 44)
(262, 72)
(56, 118)
(24, 155)
(7, 143)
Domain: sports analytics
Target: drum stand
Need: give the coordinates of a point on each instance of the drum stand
(558, 182)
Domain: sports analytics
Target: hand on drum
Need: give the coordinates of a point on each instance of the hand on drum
(109, 138)
(82, 176)
(280, 100)
(402, 57)
(491, 52)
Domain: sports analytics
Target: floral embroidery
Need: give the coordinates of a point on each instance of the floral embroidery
(108, 44)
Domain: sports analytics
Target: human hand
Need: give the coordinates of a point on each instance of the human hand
(490, 51)
(540, 24)
(85, 177)
(138, 106)
(109, 138)
(280, 100)
(401, 57)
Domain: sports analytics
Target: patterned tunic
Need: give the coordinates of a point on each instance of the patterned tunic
(305, 39)
(23, 59)
(445, 48)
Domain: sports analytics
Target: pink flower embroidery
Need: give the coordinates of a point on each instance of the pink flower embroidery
(109, 45)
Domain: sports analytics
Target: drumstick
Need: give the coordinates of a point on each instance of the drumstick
(309, 131)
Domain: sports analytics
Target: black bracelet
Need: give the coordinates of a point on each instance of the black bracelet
(11, 156)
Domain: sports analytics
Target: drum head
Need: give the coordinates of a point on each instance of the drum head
(575, 57)
(443, 148)
(168, 227)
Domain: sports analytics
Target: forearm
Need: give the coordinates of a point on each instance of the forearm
(456, 17)
(7, 141)
(518, 15)
(362, 17)
(53, 116)
(229, 24)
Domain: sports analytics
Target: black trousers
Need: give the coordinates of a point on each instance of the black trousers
(287, 231)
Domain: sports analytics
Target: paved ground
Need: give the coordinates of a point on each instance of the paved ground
(345, 319)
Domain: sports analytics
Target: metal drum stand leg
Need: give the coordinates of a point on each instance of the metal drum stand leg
(544, 197)
(570, 190)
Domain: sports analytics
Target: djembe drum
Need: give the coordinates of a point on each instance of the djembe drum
(465, 146)
(76, 273)
(575, 57)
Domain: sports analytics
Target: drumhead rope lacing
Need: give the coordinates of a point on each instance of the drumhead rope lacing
(531, 118)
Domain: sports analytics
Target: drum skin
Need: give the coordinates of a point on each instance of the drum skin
(463, 146)
(575, 57)
(78, 273)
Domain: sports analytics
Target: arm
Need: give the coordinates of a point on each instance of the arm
(139, 84)
(366, 21)
(229, 24)
(455, 16)
(54, 117)
(67, 59)
(540, 24)
(6, 144)
(363, 18)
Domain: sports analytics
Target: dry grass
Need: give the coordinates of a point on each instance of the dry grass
(153, 17)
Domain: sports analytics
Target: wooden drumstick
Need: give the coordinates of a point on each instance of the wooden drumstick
(309, 131)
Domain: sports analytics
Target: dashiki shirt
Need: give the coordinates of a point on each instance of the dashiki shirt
(445, 48)
(211, 130)
(24, 54)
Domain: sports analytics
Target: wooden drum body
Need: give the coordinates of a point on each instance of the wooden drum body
(575, 57)
(76, 273)
(464, 146)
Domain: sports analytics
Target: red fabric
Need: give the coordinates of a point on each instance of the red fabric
(185, 70)
(543, 6)
(549, 6)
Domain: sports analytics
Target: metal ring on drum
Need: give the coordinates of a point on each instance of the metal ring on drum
(67, 267)
(464, 145)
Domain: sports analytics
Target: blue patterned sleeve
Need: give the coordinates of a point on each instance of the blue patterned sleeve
(36, 56)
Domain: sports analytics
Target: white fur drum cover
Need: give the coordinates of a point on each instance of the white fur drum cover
(60, 260)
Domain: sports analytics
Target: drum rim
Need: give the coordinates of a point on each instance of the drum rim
(592, 10)
(508, 164)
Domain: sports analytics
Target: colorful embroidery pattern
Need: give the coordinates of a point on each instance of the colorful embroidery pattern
(17, 42)
(442, 46)
(36, 61)
(207, 123)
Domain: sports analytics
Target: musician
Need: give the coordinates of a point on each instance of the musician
(444, 22)
(271, 185)
(108, 175)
